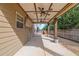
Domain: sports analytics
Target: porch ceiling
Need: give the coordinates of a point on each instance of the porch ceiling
(33, 10)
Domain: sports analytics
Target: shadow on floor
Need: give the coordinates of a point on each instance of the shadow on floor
(51, 52)
(70, 45)
(49, 39)
(36, 41)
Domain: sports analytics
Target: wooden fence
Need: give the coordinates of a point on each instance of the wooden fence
(72, 34)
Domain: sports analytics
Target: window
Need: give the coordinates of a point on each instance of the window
(19, 21)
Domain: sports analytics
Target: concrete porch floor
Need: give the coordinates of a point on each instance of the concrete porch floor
(40, 45)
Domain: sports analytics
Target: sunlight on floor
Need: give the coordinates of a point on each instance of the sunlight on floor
(56, 47)
(44, 46)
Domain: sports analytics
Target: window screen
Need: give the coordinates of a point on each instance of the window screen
(19, 22)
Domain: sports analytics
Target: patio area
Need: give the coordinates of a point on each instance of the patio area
(41, 45)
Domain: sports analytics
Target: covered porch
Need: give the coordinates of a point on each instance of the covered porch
(18, 32)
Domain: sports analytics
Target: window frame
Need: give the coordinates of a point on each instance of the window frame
(18, 14)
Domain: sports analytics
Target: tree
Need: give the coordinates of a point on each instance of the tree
(45, 28)
(69, 20)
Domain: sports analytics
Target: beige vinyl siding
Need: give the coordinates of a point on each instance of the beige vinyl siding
(28, 26)
(11, 38)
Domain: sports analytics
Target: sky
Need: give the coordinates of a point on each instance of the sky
(39, 25)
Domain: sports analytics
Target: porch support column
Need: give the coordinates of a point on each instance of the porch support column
(48, 29)
(55, 29)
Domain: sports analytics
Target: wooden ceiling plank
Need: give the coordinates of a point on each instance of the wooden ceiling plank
(25, 12)
(48, 10)
(40, 11)
(63, 10)
(36, 11)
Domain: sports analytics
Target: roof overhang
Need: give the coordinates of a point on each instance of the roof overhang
(64, 10)
(32, 10)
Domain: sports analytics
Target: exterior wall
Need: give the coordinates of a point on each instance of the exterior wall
(11, 38)
(29, 28)
(28, 23)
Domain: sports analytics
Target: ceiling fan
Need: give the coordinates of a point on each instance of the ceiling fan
(43, 12)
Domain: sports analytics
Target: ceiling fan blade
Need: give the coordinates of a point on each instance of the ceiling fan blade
(47, 13)
(39, 8)
(49, 10)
